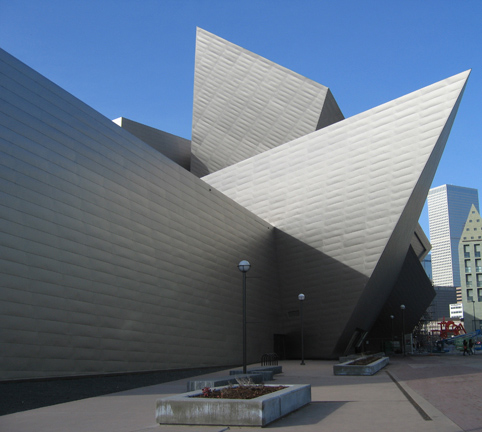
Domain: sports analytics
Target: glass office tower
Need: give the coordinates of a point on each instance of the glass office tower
(448, 208)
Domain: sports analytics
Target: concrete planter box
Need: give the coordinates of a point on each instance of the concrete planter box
(260, 411)
(370, 369)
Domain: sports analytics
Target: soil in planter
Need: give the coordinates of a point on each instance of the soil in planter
(365, 361)
(242, 392)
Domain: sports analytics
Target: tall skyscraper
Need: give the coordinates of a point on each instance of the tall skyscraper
(448, 208)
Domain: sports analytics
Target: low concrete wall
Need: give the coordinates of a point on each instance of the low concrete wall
(260, 411)
(267, 371)
(222, 381)
(352, 357)
(267, 375)
(350, 369)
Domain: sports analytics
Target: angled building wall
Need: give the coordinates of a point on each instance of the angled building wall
(175, 148)
(412, 289)
(420, 243)
(245, 104)
(112, 257)
(354, 192)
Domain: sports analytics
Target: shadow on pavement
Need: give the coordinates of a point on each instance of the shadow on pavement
(313, 413)
(17, 396)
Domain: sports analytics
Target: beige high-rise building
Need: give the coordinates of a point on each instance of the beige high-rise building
(470, 248)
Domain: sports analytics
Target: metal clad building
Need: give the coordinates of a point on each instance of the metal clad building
(116, 258)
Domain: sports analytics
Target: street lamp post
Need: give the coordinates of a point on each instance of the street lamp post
(301, 298)
(244, 267)
(473, 304)
(402, 307)
(391, 319)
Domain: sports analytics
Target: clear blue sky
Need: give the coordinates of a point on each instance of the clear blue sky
(136, 58)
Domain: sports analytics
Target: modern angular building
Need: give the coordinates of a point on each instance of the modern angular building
(448, 207)
(119, 243)
(470, 248)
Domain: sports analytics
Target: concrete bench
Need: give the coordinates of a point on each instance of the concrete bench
(256, 378)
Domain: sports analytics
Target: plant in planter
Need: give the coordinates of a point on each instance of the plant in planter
(245, 389)
(239, 392)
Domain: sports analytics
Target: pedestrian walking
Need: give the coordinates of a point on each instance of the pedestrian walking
(465, 347)
(471, 347)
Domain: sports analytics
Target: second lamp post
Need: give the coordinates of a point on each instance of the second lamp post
(243, 267)
(301, 298)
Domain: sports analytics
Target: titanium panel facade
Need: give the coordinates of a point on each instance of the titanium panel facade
(245, 104)
(420, 244)
(353, 191)
(175, 148)
(114, 258)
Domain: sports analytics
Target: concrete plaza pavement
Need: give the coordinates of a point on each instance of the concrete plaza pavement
(414, 393)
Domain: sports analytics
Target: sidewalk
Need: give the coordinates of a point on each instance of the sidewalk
(445, 393)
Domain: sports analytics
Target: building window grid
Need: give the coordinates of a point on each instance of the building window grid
(470, 297)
